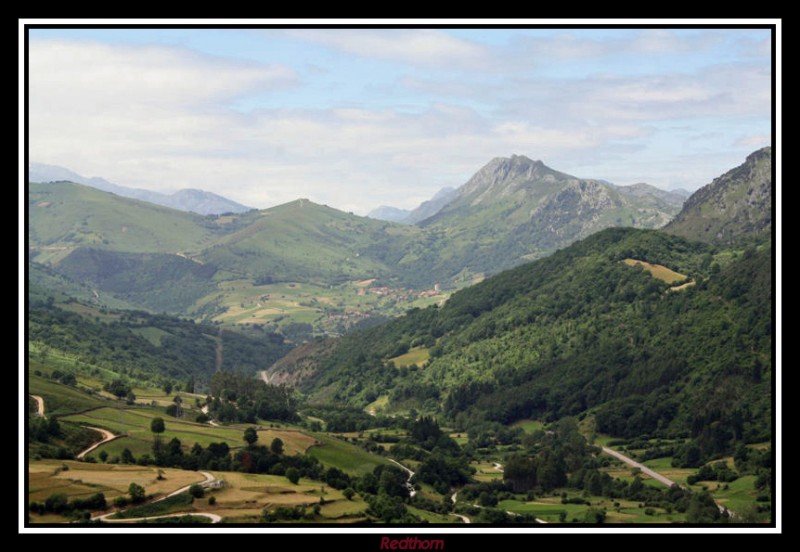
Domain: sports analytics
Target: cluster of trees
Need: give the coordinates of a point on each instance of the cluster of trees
(120, 389)
(549, 457)
(239, 398)
(64, 377)
(44, 429)
(343, 419)
(718, 471)
(59, 503)
(50, 438)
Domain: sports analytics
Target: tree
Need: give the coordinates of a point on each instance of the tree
(103, 456)
(348, 493)
(276, 446)
(521, 471)
(594, 515)
(250, 436)
(118, 388)
(157, 425)
(196, 491)
(167, 387)
(127, 457)
(293, 475)
(137, 492)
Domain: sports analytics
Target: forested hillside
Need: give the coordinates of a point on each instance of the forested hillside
(582, 332)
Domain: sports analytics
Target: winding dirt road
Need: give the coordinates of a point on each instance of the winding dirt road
(215, 518)
(464, 518)
(39, 405)
(107, 436)
(209, 479)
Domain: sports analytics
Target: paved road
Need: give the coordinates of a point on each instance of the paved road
(498, 466)
(107, 436)
(39, 405)
(655, 475)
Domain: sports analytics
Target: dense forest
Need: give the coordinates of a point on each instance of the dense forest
(580, 333)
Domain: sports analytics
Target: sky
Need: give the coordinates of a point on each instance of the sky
(361, 117)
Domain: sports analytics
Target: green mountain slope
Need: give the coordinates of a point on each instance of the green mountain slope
(581, 332)
(515, 209)
(303, 241)
(735, 206)
(160, 282)
(44, 282)
(63, 216)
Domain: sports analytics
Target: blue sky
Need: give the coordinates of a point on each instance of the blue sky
(356, 118)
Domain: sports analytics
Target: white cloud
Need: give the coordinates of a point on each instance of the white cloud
(158, 117)
(419, 47)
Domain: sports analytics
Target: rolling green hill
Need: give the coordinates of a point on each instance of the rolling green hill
(303, 241)
(581, 332)
(63, 216)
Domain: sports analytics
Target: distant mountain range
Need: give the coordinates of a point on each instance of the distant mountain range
(189, 199)
(513, 210)
(424, 210)
(389, 214)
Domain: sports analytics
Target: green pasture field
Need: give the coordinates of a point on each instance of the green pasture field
(61, 399)
(529, 426)
(135, 423)
(344, 456)
(549, 509)
(432, 517)
(342, 507)
(739, 494)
